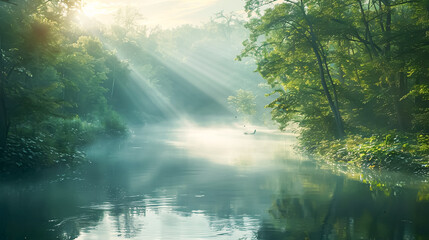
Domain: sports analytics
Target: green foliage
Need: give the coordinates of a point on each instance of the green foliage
(373, 56)
(55, 86)
(376, 76)
(68, 134)
(57, 141)
(30, 153)
(113, 125)
(391, 151)
(243, 102)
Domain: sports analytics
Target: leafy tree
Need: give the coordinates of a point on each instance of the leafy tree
(55, 84)
(340, 66)
(28, 36)
(243, 102)
(291, 33)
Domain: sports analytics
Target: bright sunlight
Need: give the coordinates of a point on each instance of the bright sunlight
(214, 119)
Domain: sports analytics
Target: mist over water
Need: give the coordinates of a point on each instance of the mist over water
(174, 181)
(181, 145)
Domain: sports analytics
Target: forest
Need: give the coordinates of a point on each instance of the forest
(64, 86)
(284, 119)
(353, 74)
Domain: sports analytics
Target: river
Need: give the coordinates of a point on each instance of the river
(200, 182)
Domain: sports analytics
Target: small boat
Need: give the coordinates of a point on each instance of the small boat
(250, 133)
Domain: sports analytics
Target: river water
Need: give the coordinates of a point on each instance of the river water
(198, 182)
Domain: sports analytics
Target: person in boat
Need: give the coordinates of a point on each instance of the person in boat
(250, 133)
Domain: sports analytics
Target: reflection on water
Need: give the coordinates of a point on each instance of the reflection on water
(208, 183)
(231, 146)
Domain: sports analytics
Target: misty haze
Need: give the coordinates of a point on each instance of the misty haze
(214, 119)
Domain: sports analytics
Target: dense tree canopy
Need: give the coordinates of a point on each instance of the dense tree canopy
(65, 79)
(343, 66)
(337, 68)
(51, 74)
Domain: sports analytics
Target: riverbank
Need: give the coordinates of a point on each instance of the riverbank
(394, 152)
(55, 143)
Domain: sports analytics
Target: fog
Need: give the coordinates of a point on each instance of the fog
(215, 119)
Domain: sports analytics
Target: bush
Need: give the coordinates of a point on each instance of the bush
(56, 141)
(27, 153)
(381, 151)
(113, 125)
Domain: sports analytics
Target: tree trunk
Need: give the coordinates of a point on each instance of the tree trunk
(398, 80)
(334, 109)
(368, 35)
(404, 122)
(388, 28)
(320, 63)
(113, 83)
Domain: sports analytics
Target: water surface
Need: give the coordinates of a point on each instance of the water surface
(211, 183)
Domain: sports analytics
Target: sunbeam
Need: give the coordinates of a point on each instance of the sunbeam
(216, 79)
(165, 13)
(125, 119)
(146, 89)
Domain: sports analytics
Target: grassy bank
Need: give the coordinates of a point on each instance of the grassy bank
(392, 151)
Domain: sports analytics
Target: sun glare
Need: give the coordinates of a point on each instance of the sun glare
(94, 8)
